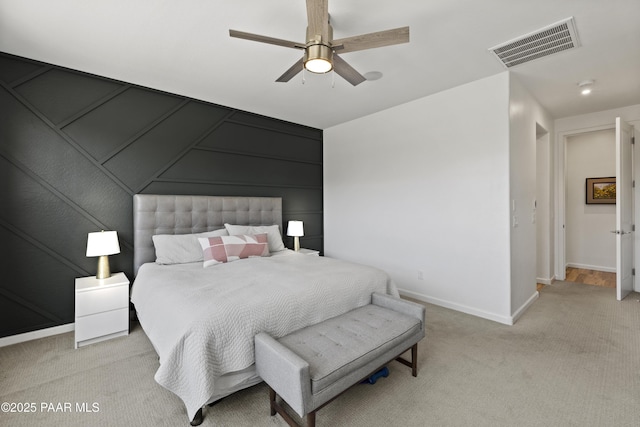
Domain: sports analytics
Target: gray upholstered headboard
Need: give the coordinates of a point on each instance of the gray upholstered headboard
(168, 214)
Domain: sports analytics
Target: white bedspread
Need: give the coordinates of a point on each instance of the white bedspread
(202, 321)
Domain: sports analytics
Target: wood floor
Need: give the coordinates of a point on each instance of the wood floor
(589, 277)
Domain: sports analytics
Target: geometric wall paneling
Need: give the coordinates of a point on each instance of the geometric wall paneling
(306, 205)
(302, 200)
(133, 111)
(151, 152)
(35, 212)
(214, 167)
(75, 147)
(13, 69)
(60, 94)
(49, 296)
(243, 117)
(17, 317)
(236, 137)
(47, 156)
(294, 200)
(312, 227)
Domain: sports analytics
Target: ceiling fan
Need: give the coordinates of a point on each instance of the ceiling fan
(321, 50)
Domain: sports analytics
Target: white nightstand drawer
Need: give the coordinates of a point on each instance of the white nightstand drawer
(99, 300)
(101, 324)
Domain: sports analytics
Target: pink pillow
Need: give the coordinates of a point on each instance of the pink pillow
(221, 249)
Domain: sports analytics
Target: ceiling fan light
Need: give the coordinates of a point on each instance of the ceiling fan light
(318, 59)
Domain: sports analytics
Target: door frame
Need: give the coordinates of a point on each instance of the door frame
(560, 202)
(544, 208)
(623, 287)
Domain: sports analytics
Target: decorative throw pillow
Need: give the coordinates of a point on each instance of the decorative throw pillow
(221, 249)
(181, 248)
(273, 234)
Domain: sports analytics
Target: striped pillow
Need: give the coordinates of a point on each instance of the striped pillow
(222, 249)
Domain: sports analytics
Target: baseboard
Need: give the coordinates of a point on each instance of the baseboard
(34, 335)
(506, 320)
(591, 267)
(546, 281)
(519, 312)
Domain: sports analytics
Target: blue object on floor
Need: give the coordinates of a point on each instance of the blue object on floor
(384, 372)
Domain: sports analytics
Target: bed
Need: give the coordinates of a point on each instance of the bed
(202, 320)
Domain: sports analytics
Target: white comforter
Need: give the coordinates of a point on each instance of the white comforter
(202, 321)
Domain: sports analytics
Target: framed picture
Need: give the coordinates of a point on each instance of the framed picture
(601, 191)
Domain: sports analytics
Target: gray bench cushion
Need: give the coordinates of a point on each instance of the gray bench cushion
(341, 345)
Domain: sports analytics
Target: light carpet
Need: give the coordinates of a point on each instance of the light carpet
(573, 359)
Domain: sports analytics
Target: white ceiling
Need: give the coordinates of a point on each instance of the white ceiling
(183, 46)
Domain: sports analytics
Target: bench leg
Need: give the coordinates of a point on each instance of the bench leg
(414, 360)
(311, 419)
(272, 401)
(276, 408)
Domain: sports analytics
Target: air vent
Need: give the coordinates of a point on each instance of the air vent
(552, 39)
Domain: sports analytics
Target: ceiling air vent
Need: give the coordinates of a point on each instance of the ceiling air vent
(552, 39)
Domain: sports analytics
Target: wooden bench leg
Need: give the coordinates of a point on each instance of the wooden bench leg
(272, 401)
(276, 408)
(414, 360)
(311, 419)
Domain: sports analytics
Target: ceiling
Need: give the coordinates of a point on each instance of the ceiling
(183, 47)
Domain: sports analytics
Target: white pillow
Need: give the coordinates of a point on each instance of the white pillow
(181, 248)
(273, 234)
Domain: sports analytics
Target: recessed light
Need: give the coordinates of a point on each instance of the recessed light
(586, 86)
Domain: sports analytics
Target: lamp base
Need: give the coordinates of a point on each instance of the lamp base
(296, 243)
(103, 268)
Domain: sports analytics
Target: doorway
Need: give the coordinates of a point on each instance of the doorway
(590, 243)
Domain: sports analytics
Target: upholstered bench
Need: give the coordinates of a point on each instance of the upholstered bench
(310, 367)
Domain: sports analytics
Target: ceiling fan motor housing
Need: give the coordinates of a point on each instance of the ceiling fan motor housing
(318, 58)
(318, 55)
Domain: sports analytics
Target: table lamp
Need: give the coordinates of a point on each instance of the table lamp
(295, 229)
(102, 244)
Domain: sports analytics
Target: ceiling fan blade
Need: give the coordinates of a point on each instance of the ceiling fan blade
(346, 71)
(265, 39)
(318, 19)
(371, 40)
(295, 69)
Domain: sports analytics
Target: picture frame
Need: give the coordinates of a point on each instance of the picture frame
(601, 191)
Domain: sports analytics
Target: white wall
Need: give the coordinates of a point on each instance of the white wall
(422, 190)
(527, 120)
(568, 126)
(590, 243)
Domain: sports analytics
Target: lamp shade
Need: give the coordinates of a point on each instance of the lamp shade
(103, 243)
(295, 228)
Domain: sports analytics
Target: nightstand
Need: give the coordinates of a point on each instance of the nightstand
(309, 252)
(102, 308)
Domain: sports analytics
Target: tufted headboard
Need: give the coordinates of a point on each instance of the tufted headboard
(168, 214)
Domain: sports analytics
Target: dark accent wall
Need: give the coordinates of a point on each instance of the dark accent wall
(75, 147)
